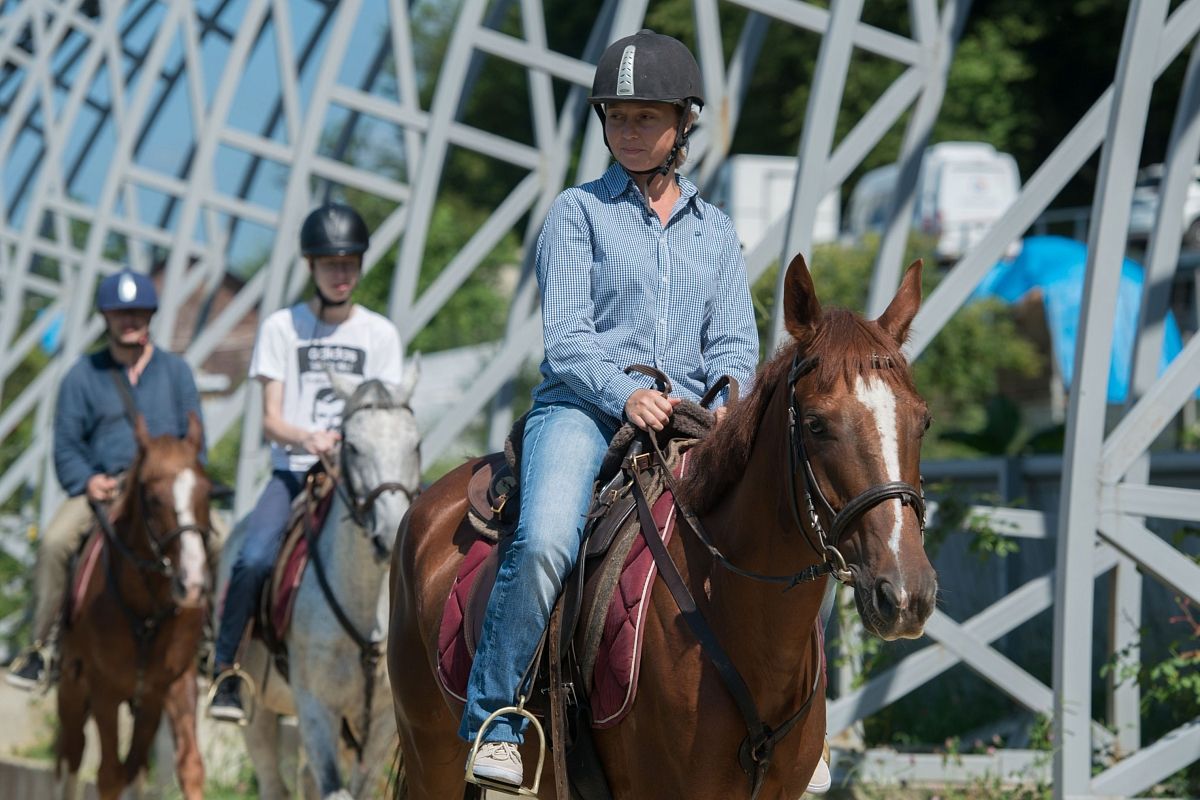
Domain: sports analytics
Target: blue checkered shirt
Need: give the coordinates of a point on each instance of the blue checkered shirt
(619, 288)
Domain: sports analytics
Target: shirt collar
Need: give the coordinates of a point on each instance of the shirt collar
(616, 181)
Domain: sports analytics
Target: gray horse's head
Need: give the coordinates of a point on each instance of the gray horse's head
(380, 458)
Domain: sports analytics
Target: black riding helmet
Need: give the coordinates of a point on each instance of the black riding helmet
(650, 67)
(333, 229)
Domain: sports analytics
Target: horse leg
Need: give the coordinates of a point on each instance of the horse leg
(110, 777)
(261, 736)
(145, 724)
(180, 705)
(319, 731)
(380, 745)
(72, 715)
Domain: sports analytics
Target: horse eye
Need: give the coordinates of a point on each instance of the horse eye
(928, 422)
(815, 425)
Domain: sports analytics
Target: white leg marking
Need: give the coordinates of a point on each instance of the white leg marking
(878, 397)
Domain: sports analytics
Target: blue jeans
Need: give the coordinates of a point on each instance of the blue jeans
(264, 534)
(564, 446)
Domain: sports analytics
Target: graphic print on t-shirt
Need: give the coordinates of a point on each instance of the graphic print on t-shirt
(315, 362)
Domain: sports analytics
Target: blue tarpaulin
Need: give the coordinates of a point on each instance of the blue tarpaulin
(1056, 266)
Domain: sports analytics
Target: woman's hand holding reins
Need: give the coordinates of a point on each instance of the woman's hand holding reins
(649, 410)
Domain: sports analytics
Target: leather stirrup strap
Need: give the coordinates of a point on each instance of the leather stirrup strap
(558, 704)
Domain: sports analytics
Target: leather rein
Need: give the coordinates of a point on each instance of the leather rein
(756, 750)
(369, 652)
(143, 628)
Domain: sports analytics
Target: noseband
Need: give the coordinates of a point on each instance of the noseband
(826, 545)
(358, 507)
(159, 564)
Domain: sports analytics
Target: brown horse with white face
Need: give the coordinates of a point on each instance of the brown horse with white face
(817, 470)
(136, 626)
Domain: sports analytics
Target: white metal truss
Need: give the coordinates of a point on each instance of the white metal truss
(262, 99)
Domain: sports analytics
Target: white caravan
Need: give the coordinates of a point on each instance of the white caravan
(962, 189)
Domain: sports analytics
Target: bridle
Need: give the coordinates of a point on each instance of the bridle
(369, 651)
(143, 628)
(756, 750)
(360, 507)
(827, 544)
(159, 563)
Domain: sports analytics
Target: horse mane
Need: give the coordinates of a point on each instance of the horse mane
(844, 345)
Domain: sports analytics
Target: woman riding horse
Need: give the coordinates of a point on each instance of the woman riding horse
(815, 473)
(634, 268)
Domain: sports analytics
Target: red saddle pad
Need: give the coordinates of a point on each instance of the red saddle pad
(614, 679)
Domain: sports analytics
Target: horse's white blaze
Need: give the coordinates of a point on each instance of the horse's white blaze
(191, 544)
(879, 398)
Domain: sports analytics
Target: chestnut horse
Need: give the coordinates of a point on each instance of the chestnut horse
(816, 471)
(134, 632)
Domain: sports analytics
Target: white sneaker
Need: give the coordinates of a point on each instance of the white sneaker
(821, 778)
(499, 761)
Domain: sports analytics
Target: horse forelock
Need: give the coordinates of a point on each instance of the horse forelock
(370, 392)
(844, 347)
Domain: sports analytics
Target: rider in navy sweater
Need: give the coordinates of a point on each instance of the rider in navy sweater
(93, 437)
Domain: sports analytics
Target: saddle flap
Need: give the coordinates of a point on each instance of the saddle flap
(493, 492)
(601, 537)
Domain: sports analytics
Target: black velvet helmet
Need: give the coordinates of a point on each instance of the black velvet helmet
(333, 229)
(652, 68)
(647, 66)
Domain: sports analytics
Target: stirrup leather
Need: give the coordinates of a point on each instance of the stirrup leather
(498, 786)
(249, 697)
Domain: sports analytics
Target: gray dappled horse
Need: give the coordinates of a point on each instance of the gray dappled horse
(328, 683)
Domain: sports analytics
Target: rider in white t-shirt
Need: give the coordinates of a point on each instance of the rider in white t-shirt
(296, 350)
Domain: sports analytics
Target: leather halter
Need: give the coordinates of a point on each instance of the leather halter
(827, 544)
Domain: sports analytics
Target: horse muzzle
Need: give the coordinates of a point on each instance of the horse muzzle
(188, 593)
(895, 609)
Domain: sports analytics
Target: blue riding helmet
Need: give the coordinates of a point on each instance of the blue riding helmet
(127, 290)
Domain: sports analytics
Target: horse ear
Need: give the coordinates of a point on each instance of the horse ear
(900, 312)
(801, 308)
(402, 393)
(195, 431)
(341, 384)
(141, 433)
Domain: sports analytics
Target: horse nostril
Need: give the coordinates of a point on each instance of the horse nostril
(886, 602)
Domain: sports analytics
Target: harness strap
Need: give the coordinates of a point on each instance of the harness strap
(143, 629)
(756, 729)
(811, 573)
(369, 651)
(758, 747)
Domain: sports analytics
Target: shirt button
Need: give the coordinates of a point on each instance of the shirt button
(662, 322)
(665, 279)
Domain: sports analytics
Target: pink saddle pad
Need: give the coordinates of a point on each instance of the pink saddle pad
(614, 679)
(84, 568)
